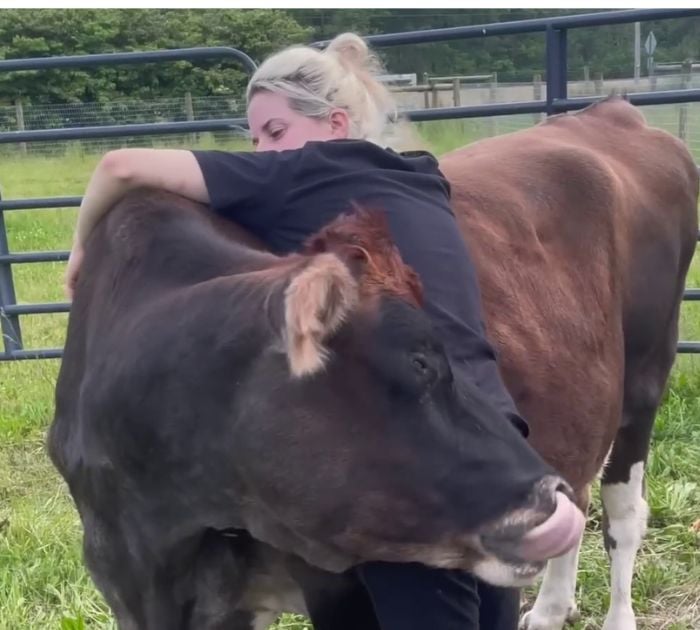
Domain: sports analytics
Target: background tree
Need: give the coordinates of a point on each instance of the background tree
(46, 32)
(258, 32)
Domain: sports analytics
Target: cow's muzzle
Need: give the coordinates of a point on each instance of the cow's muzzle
(548, 526)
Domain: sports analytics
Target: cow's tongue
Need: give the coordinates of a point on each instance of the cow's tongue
(559, 533)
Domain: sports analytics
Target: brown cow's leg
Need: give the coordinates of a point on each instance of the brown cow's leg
(625, 514)
(625, 510)
(556, 599)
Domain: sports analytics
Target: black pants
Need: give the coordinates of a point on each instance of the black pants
(417, 597)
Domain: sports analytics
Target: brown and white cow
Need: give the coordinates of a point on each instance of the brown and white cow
(582, 230)
(239, 429)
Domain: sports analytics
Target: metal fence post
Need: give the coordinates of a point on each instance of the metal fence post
(556, 66)
(9, 324)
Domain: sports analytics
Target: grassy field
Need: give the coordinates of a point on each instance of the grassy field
(42, 581)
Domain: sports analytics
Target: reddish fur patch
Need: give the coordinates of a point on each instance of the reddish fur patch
(362, 240)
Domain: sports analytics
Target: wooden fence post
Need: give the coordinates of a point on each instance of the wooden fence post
(493, 98)
(599, 84)
(456, 92)
(683, 109)
(189, 114)
(537, 96)
(19, 114)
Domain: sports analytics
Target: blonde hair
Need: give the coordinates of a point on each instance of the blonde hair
(344, 75)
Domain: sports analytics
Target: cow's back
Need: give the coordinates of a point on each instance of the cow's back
(570, 224)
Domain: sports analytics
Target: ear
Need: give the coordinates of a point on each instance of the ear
(354, 256)
(340, 123)
(316, 303)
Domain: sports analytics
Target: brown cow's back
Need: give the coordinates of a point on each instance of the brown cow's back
(566, 221)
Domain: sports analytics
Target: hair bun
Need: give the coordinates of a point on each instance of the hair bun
(351, 49)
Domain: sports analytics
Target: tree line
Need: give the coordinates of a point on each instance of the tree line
(259, 32)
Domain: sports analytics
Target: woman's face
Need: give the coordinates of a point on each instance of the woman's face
(274, 126)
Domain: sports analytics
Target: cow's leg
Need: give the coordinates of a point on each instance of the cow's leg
(219, 576)
(258, 621)
(625, 514)
(196, 585)
(107, 559)
(556, 599)
(625, 510)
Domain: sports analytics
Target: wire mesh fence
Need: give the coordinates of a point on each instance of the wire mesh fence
(29, 117)
(682, 120)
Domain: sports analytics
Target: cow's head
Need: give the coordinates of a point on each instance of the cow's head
(360, 445)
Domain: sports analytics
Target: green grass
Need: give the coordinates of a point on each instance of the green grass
(43, 584)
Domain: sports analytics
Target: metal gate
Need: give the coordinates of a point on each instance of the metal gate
(555, 31)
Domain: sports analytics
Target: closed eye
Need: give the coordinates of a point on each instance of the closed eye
(276, 134)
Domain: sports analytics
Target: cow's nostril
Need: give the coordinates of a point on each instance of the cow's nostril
(549, 486)
(565, 489)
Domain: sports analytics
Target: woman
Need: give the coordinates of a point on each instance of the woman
(316, 119)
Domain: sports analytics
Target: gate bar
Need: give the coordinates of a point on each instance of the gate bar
(534, 25)
(113, 59)
(9, 323)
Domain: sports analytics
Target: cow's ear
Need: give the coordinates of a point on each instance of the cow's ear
(316, 303)
(351, 253)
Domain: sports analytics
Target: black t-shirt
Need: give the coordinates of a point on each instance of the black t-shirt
(284, 197)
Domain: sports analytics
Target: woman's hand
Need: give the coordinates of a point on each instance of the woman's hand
(74, 263)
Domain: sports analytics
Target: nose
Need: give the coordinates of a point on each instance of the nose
(549, 526)
(559, 533)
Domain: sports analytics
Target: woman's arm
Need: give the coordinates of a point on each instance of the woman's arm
(248, 188)
(123, 170)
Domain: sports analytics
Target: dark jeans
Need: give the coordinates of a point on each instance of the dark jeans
(417, 597)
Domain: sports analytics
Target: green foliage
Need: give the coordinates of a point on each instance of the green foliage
(47, 32)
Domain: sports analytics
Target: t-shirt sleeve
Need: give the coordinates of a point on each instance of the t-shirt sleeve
(248, 188)
(433, 247)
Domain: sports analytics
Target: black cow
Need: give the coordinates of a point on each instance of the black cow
(238, 430)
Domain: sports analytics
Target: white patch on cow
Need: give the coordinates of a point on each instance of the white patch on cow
(317, 302)
(627, 514)
(498, 573)
(556, 599)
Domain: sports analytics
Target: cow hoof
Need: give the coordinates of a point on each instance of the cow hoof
(552, 617)
(620, 618)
